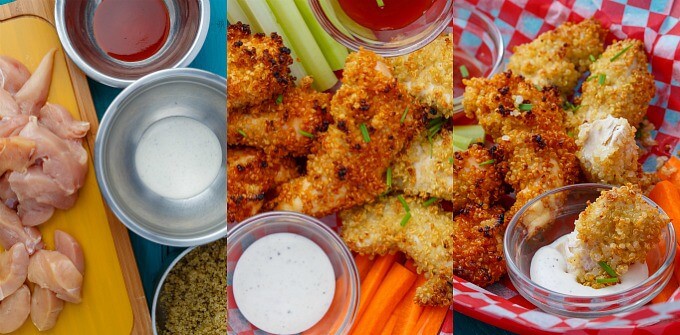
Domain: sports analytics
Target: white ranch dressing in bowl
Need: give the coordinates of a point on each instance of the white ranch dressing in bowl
(283, 283)
(178, 157)
(549, 269)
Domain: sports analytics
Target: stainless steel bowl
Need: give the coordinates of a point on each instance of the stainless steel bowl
(158, 314)
(189, 21)
(175, 92)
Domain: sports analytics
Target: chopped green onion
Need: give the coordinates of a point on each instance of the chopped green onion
(464, 71)
(243, 133)
(389, 177)
(404, 204)
(405, 219)
(430, 201)
(304, 133)
(525, 107)
(279, 99)
(592, 58)
(601, 78)
(607, 280)
(451, 160)
(620, 53)
(571, 134)
(591, 78)
(490, 161)
(608, 269)
(403, 116)
(364, 132)
(381, 4)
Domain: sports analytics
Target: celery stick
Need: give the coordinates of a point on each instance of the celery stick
(474, 132)
(235, 13)
(264, 21)
(461, 143)
(334, 52)
(304, 44)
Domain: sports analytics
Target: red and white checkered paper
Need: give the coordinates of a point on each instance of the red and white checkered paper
(657, 23)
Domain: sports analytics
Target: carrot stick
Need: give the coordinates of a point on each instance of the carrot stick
(667, 291)
(408, 311)
(431, 320)
(395, 286)
(676, 269)
(671, 167)
(389, 327)
(373, 279)
(411, 265)
(667, 196)
(363, 263)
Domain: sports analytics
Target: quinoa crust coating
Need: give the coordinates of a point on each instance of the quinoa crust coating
(474, 182)
(194, 294)
(289, 126)
(258, 66)
(496, 104)
(619, 228)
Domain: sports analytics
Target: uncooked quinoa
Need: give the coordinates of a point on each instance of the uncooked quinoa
(194, 295)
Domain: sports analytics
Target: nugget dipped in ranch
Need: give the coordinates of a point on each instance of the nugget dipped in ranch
(607, 250)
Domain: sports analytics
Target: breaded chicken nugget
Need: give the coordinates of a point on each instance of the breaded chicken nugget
(258, 67)
(251, 174)
(608, 152)
(376, 229)
(428, 74)
(290, 125)
(508, 102)
(619, 85)
(349, 166)
(423, 169)
(477, 178)
(559, 57)
(535, 163)
(619, 228)
(478, 245)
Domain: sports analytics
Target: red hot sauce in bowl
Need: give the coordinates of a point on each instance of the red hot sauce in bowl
(131, 30)
(385, 14)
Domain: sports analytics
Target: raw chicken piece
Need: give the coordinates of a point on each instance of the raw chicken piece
(15, 153)
(14, 310)
(57, 119)
(67, 245)
(13, 269)
(12, 125)
(32, 96)
(13, 74)
(33, 213)
(12, 232)
(34, 184)
(45, 308)
(8, 106)
(63, 160)
(7, 196)
(55, 271)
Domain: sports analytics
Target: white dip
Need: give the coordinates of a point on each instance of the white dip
(549, 270)
(283, 283)
(178, 157)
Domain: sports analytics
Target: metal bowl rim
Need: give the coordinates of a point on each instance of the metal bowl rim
(159, 286)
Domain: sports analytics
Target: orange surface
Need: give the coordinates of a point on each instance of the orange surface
(106, 307)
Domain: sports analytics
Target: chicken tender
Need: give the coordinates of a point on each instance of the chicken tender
(508, 102)
(426, 238)
(619, 85)
(559, 57)
(428, 74)
(258, 67)
(251, 174)
(289, 126)
(477, 177)
(477, 246)
(619, 228)
(423, 169)
(608, 152)
(536, 163)
(351, 162)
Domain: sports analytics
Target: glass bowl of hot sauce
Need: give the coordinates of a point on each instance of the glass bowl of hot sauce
(477, 49)
(116, 42)
(386, 27)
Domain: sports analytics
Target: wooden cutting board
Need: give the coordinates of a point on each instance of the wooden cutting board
(113, 298)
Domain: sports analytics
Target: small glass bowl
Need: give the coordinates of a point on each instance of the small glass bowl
(478, 43)
(387, 43)
(345, 303)
(573, 199)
